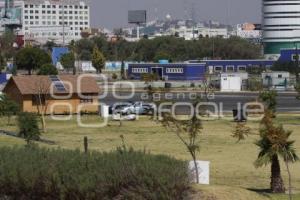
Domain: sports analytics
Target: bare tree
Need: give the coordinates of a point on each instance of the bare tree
(41, 97)
(188, 131)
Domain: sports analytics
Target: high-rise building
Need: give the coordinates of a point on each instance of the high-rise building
(60, 21)
(281, 26)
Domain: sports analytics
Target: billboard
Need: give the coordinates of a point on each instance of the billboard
(12, 16)
(137, 16)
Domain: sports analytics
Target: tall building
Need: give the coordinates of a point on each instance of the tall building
(281, 26)
(60, 21)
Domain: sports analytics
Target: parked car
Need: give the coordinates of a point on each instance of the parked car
(123, 108)
(138, 108)
(142, 108)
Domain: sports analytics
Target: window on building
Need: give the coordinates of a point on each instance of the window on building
(26, 6)
(230, 68)
(140, 70)
(43, 6)
(87, 100)
(48, 6)
(26, 11)
(174, 70)
(36, 12)
(218, 68)
(242, 68)
(280, 76)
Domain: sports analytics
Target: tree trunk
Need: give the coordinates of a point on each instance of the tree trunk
(196, 166)
(277, 185)
(43, 123)
(290, 179)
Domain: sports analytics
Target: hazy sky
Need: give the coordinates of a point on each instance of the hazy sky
(113, 13)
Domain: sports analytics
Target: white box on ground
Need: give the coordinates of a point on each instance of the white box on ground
(105, 111)
(231, 83)
(203, 169)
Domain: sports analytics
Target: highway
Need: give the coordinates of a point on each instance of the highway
(287, 102)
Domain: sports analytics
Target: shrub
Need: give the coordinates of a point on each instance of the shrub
(33, 173)
(28, 126)
(114, 76)
(48, 69)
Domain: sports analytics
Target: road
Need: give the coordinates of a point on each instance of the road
(287, 102)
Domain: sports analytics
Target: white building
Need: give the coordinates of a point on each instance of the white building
(280, 26)
(276, 79)
(248, 31)
(60, 21)
(196, 32)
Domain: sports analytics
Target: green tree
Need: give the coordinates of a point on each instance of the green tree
(7, 40)
(122, 72)
(98, 60)
(49, 45)
(28, 126)
(269, 99)
(162, 55)
(8, 107)
(68, 61)
(31, 58)
(274, 143)
(2, 63)
(48, 69)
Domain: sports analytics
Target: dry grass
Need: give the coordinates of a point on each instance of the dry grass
(231, 162)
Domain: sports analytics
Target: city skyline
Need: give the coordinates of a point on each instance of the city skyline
(113, 13)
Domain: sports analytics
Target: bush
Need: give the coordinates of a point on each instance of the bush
(33, 173)
(48, 69)
(114, 76)
(28, 126)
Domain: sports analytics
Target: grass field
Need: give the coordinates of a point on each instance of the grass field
(233, 175)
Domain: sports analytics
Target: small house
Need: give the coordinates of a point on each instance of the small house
(63, 94)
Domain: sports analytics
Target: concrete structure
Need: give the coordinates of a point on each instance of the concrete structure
(280, 26)
(251, 32)
(85, 66)
(59, 94)
(189, 33)
(276, 79)
(230, 66)
(231, 83)
(53, 20)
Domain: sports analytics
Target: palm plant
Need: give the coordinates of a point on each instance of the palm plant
(274, 143)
